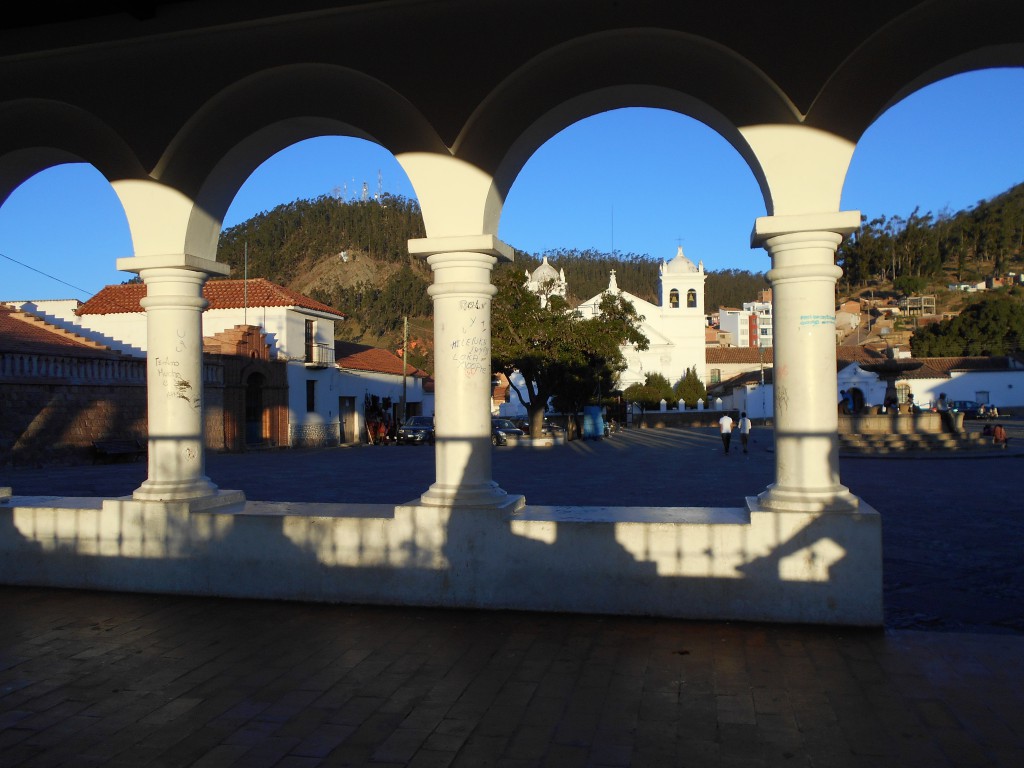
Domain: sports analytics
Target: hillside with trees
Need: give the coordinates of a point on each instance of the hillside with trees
(924, 254)
(992, 326)
(926, 249)
(353, 255)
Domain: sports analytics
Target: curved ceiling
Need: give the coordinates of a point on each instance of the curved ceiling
(487, 81)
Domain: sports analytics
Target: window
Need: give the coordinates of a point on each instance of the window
(716, 376)
(310, 395)
(691, 298)
(310, 337)
(673, 298)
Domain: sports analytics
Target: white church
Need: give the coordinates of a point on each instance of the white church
(674, 327)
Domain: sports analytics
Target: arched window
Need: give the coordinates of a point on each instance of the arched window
(673, 298)
(691, 298)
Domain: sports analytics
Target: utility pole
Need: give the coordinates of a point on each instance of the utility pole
(405, 353)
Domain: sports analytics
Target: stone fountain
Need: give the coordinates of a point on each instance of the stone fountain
(890, 370)
(895, 433)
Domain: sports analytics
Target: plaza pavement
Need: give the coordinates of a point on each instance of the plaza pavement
(118, 679)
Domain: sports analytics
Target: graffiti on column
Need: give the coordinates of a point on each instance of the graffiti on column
(472, 351)
(811, 320)
(176, 386)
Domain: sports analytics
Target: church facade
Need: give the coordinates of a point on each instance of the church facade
(674, 327)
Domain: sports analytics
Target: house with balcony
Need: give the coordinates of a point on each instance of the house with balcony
(295, 329)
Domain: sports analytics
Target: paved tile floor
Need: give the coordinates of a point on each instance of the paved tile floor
(120, 679)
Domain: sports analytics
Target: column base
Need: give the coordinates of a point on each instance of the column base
(836, 500)
(175, 490)
(484, 495)
(219, 501)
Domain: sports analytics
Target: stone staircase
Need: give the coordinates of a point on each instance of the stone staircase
(913, 444)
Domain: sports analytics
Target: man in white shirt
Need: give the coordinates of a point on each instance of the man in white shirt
(725, 426)
(744, 427)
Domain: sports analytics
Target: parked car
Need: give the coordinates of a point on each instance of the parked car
(502, 430)
(416, 430)
(549, 428)
(969, 408)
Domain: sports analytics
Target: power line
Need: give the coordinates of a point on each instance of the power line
(26, 266)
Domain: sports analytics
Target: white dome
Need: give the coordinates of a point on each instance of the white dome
(680, 263)
(544, 273)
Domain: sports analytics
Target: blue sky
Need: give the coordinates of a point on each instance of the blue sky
(591, 186)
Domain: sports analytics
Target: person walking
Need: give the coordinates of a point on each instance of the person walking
(942, 406)
(725, 427)
(744, 427)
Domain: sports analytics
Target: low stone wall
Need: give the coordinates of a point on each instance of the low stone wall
(926, 423)
(55, 407)
(741, 564)
(681, 419)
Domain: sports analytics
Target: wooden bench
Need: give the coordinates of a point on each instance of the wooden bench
(112, 450)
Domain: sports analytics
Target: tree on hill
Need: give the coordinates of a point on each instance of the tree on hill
(559, 353)
(994, 326)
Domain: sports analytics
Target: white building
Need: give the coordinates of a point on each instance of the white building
(370, 372)
(299, 329)
(674, 327)
(996, 380)
(750, 326)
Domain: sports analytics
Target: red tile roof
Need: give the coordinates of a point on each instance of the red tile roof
(23, 332)
(362, 357)
(222, 294)
(738, 355)
(942, 367)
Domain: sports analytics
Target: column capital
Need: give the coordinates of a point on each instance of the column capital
(766, 227)
(487, 245)
(187, 261)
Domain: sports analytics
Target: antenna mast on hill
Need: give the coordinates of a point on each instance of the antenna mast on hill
(380, 185)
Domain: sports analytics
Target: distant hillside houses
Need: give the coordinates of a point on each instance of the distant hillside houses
(989, 283)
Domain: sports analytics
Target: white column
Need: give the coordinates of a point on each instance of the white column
(803, 279)
(174, 377)
(462, 293)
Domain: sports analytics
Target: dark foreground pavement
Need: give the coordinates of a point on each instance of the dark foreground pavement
(91, 679)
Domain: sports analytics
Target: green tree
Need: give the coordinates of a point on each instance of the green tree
(558, 352)
(690, 388)
(648, 396)
(994, 326)
(910, 284)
